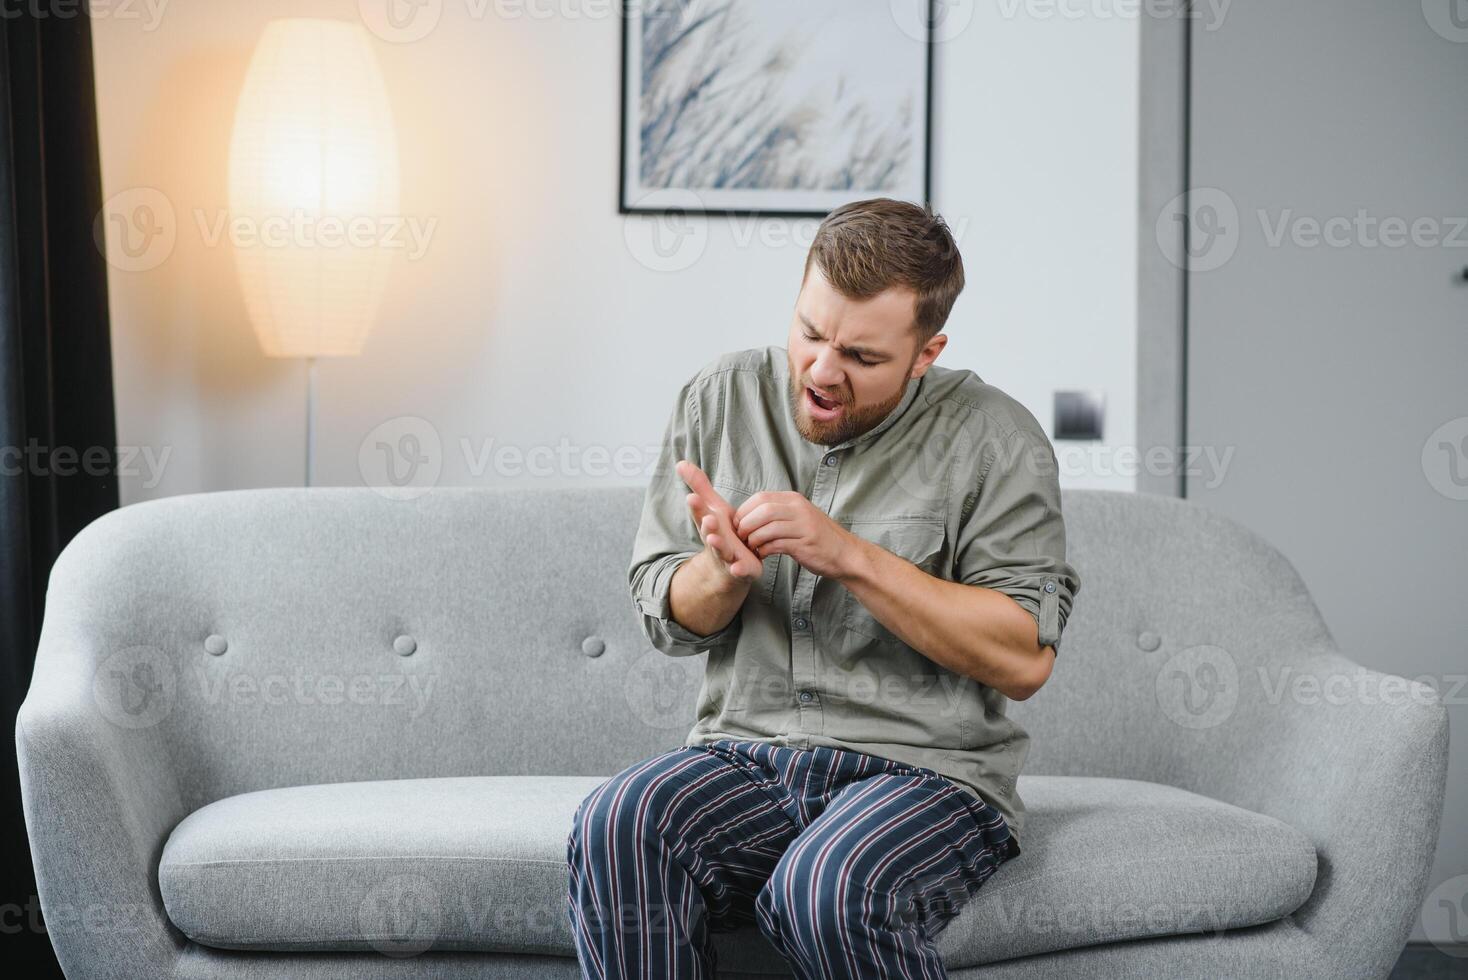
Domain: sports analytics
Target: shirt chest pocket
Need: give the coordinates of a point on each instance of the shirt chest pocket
(918, 541)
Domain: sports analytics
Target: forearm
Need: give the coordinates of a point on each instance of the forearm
(702, 597)
(973, 631)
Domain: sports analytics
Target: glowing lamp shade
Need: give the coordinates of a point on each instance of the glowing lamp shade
(313, 187)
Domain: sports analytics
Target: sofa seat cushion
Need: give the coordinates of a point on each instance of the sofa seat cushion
(479, 863)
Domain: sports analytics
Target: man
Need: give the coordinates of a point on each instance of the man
(871, 550)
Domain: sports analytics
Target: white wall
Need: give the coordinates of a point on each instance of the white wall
(530, 319)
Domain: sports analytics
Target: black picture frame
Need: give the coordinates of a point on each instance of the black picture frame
(626, 208)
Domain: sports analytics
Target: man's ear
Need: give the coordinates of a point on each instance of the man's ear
(928, 354)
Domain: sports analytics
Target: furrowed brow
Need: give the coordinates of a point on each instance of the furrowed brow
(867, 352)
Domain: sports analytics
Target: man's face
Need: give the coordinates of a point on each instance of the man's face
(850, 360)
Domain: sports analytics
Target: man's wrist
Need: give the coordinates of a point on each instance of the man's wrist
(857, 563)
(720, 581)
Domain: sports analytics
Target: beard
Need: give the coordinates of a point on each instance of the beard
(854, 420)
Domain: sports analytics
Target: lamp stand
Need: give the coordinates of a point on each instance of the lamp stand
(310, 419)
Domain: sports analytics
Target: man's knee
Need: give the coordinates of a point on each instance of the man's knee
(811, 907)
(623, 810)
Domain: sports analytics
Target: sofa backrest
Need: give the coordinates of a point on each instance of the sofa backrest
(276, 637)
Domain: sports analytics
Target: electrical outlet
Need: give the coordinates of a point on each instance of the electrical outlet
(1079, 414)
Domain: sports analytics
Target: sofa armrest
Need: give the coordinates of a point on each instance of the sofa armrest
(1357, 759)
(100, 800)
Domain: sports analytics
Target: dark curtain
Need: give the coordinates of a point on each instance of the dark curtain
(55, 376)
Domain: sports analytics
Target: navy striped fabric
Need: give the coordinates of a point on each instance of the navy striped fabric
(849, 864)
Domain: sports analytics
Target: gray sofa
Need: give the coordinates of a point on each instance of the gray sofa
(313, 733)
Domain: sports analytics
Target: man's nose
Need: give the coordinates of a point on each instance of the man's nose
(826, 373)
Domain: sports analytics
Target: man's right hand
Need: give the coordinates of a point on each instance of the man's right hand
(714, 518)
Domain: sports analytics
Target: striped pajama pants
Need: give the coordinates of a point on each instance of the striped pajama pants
(850, 864)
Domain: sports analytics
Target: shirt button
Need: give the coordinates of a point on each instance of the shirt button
(801, 624)
(806, 695)
(831, 460)
(1049, 586)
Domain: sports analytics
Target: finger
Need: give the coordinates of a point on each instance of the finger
(738, 551)
(749, 505)
(714, 537)
(697, 507)
(717, 543)
(748, 567)
(708, 526)
(771, 548)
(757, 516)
(726, 527)
(698, 482)
(773, 531)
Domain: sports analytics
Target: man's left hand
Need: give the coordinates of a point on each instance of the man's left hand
(786, 523)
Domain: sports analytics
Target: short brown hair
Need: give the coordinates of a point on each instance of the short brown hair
(867, 246)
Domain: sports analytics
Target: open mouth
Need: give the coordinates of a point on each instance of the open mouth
(821, 406)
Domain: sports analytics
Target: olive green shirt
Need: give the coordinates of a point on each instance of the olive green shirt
(959, 479)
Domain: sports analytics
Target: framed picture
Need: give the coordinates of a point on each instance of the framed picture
(773, 106)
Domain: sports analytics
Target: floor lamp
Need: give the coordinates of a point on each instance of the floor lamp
(313, 179)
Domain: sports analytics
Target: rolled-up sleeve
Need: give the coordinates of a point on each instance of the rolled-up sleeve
(666, 537)
(1012, 536)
